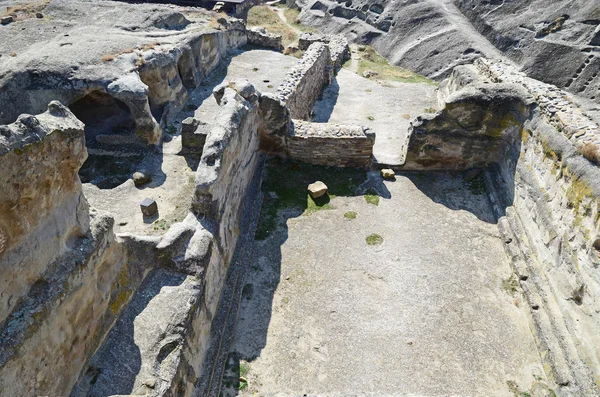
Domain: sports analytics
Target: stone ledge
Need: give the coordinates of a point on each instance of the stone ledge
(558, 109)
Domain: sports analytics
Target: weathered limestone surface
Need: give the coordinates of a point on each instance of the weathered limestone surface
(552, 194)
(304, 83)
(41, 204)
(144, 61)
(61, 267)
(472, 129)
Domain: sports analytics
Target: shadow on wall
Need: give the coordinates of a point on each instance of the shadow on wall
(327, 102)
(114, 368)
(285, 197)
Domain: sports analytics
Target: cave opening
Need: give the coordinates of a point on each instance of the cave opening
(113, 149)
(103, 115)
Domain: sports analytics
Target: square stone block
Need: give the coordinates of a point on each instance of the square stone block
(149, 207)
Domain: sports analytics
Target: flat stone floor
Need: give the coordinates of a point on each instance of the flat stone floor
(424, 313)
(386, 107)
(172, 173)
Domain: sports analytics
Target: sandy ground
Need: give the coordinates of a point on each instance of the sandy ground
(386, 107)
(424, 313)
(173, 173)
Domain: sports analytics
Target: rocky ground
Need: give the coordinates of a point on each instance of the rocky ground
(62, 46)
(367, 293)
(554, 41)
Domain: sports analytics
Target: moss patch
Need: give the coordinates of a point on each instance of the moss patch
(350, 215)
(374, 239)
(285, 187)
(372, 197)
(510, 285)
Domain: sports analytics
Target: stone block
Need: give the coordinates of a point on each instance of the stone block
(193, 134)
(7, 19)
(149, 207)
(317, 189)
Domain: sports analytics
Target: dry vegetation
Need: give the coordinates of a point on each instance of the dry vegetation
(371, 60)
(25, 10)
(590, 152)
(267, 18)
(292, 16)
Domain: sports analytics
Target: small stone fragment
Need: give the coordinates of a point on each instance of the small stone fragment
(7, 19)
(369, 73)
(141, 177)
(317, 189)
(388, 173)
(151, 382)
(39, 15)
(149, 207)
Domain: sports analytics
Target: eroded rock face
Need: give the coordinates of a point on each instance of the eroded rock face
(58, 262)
(472, 130)
(554, 41)
(42, 208)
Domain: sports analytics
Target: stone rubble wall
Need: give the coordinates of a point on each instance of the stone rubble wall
(562, 113)
(338, 46)
(330, 144)
(227, 168)
(303, 84)
(260, 37)
(326, 144)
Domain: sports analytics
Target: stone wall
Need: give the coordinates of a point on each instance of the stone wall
(330, 144)
(338, 46)
(551, 193)
(303, 84)
(227, 169)
(326, 144)
(168, 74)
(547, 196)
(42, 206)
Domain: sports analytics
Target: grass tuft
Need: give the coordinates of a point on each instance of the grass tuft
(590, 152)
